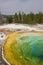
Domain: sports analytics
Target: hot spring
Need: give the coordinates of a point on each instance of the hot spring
(24, 48)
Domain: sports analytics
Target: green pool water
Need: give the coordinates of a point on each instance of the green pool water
(30, 47)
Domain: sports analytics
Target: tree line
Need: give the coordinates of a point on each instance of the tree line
(26, 18)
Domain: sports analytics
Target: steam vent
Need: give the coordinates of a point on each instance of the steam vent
(24, 48)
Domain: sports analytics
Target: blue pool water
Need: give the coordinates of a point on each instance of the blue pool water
(32, 47)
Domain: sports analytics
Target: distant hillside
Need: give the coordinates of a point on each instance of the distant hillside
(22, 18)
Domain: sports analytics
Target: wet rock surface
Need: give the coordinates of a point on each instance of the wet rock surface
(2, 40)
(2, 62)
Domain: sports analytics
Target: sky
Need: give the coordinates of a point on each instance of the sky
(26, 6)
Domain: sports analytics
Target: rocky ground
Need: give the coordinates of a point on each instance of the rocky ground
(2, 40)
(2, 62)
